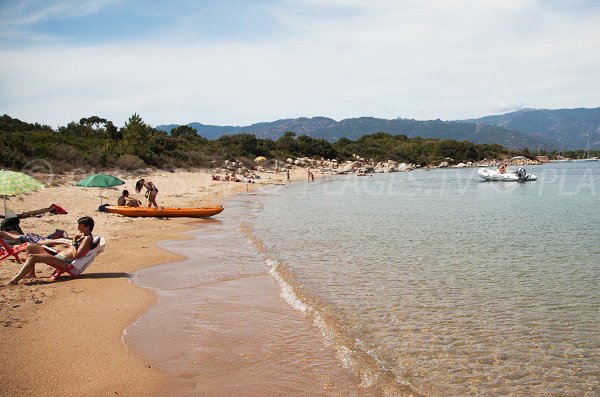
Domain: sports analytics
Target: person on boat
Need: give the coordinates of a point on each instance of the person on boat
(78, 247)
(124, 200)
(151, 191)
(502, 168)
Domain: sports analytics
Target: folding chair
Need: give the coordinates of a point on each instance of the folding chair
(6, 250)
(79, 265)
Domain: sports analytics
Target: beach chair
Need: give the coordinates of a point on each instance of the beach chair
(6, 250)
(79, 265)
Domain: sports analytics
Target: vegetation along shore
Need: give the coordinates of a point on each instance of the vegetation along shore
(96, 143)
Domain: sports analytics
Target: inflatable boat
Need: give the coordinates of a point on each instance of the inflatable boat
(509, 176)
(166, 212)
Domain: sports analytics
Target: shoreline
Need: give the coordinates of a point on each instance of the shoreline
(73, 328)
(224, 324)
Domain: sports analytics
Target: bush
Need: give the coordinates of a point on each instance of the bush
(130, 162)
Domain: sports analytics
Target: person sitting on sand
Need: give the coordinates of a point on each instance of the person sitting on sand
(124, 200)
(502, 168)
(151, 191)
(79, 246)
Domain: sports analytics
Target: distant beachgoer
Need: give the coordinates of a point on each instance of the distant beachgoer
(79, 246)
(311, 176)
(287, 173)
(502, 168)
(151, 191)
(124, 200)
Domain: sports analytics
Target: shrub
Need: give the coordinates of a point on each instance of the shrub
(130, 162)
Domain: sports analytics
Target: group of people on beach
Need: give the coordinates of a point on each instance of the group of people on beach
(58, 251)
(151, 192)
(231, 178)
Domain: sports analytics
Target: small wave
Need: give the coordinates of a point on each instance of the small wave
(352, 353)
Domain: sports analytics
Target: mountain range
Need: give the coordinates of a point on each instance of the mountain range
(531, 128)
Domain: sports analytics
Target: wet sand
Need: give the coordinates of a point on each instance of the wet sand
(220, 326)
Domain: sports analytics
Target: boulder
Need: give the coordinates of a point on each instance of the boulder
(345, 168)
(443, 164)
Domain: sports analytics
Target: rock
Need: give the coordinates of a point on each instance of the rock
(443, 164)
(460, 165)
(345, 168)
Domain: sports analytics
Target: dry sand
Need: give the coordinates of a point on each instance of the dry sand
(64, 338)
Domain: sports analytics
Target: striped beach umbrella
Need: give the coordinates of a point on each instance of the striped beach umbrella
(16, 183)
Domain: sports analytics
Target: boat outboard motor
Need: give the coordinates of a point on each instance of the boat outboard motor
(522, 174)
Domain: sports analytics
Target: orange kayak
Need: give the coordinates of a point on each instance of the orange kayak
(166, 212)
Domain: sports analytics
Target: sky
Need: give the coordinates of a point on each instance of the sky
(233, 62)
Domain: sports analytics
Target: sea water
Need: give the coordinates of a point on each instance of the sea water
(443, 283)
(429, 283)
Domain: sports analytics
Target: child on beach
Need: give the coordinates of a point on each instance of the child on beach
(124, 200)
(79, 246)
(151, 191)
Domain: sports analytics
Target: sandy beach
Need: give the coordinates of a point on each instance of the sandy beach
(64, 338)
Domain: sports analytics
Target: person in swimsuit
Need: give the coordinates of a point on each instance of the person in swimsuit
(79, 246)
(124, 200)
(151, 191)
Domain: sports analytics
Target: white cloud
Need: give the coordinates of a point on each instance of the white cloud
(505, 107)
(337, 58)
(28, 12)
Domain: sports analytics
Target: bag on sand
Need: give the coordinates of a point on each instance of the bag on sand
(11, 225)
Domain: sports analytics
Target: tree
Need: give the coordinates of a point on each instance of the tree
(184, 131)
(92, 121)
(134, 120)
(137, 137)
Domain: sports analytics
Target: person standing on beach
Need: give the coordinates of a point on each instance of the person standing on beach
(151, 191)
(287, 173)
(311, 176)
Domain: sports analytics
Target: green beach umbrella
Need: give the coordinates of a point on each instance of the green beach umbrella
(100, 180)
(15, 183)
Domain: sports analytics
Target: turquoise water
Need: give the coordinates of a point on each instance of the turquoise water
(449, 285)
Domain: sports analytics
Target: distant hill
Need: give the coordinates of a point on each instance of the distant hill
(354, 128)
(568, 128)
